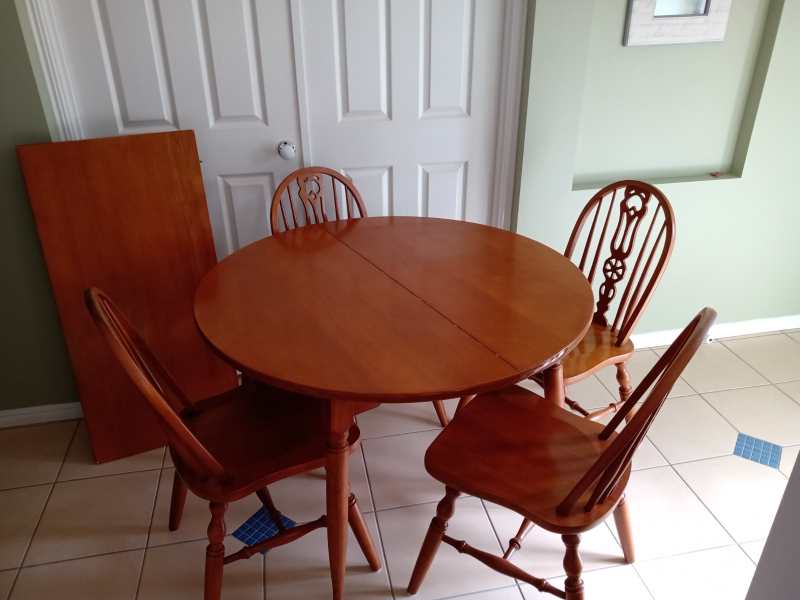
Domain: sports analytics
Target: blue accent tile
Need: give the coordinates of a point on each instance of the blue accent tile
(760, 451)
(260, 527)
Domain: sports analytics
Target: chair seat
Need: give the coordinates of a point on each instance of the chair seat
(516, 449)
(259, 434)
(597, 349)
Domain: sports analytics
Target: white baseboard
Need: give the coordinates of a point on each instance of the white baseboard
(46, 413)
(720, 330)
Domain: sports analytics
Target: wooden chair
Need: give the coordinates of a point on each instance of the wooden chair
(562, 472)
(625, 236)
(618, 210)
(228, 446)
(301, 199)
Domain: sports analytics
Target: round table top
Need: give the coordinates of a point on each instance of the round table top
(394, 309)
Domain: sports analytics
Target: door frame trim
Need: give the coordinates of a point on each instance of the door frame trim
(301, 83)
(508, 118)
(53, 79)
(56, 91)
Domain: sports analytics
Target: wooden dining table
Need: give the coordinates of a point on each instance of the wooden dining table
(392, 309)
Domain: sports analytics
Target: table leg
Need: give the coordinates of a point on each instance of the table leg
(337, 491)
(554, 385)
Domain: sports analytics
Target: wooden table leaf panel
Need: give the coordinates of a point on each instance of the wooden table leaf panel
(391, 309)
(127, 214)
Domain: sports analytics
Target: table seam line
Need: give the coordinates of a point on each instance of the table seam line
(425, 302)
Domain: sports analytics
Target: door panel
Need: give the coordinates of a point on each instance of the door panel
(442, 188)
(375, 186)
(132, 45)
(446, 61)
(231, 60)
(361, 77)
(246, 201)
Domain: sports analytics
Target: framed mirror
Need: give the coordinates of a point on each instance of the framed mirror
(681, 8)
(653, 22)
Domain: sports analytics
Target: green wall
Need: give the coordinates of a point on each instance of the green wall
(33, 362)
(660, 93)
(737, 246)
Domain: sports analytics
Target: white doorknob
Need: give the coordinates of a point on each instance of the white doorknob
(287, 150)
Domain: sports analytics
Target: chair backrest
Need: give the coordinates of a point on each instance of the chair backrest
(154, 382)
(604, 475)
(609, 230)
(314, 195)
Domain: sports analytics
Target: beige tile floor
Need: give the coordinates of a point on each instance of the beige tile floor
(71, 529)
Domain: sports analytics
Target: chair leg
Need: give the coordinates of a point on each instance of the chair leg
(215, 551)
(573, 586)
(463, 401)
(623, 523)
(276, 516)
(624, 381)
(177, 503)
(441, 412)
(433, 539)
(555, 390)
(515, 543)
(359, 527)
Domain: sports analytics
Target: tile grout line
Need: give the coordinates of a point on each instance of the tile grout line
(499, 541)
(677, 554)
(469, 595)
(672, 466)
(711, 512)
(714, 408)
(719, 412)
(738, 431)
(44, 508)
(776, 384)
(86, 556)
(749, 364)
(110, 552)
(149, 529)
(394, 435)
(771, 384)
(784, 392)
(377, 522)
(788, 333)
(680, 554)
(264, 576)
(657, 449)
(90, 477)
(644, 583)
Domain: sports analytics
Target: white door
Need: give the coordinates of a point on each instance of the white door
(404, 96)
